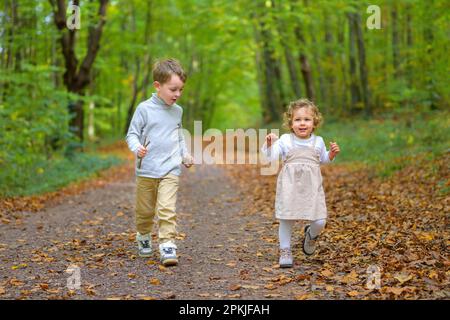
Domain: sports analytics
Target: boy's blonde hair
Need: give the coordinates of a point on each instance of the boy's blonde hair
(164, 69)
(302, 103)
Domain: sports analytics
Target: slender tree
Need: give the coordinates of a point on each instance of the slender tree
(77, 75)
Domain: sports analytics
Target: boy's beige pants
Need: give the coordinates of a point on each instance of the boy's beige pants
(157, 195)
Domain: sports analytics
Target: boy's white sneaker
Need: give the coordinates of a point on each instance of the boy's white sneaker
(286, 259)
(144, 244)
(168, 253)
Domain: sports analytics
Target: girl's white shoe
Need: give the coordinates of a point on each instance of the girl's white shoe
(286, 259)
(309, 243)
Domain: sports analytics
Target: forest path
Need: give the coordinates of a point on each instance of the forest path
(221, 254)
(227, 243)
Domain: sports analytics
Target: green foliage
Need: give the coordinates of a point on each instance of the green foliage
(33, 118)
(388, 144)
(217, 43)
(40, 175)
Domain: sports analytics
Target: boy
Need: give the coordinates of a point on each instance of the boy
(155, 137)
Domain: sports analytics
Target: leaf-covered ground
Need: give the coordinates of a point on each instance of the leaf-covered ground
(227, 239)
(398, 226)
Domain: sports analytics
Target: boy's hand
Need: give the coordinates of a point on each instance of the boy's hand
(334, 150)
(271, 138)
(142, 151)
(188, 161)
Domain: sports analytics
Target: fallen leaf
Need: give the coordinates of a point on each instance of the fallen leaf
(433, 275)
(53, 291)
(148, 298)
(396, 291)
(350, 278)
(155, 281)
(237, 295)
(235, 287)
(91, 291)
(44, 286)
(16, 282)
(269, 286)
(303, 296)
(425, 236)
(2, 290)
(71, 293)
(272, 295)
(216, 259)
(327, 273)
(403, 277)
(19, 266)
(169, 295)
(204, 295)
(162, 268)
(353, 293)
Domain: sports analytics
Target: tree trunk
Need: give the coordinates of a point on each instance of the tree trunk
(147, 40)
(290, 61)
(77, 76)
(91, 121)
(17, 27)
(307, 77)
(270, 94)
(395, 40)
(305, 67)
(142, 87)
(331, 92)
(270, 89)
(260, 76)
(362, 64)
(354, 88)
(343, 86)
(409, 44)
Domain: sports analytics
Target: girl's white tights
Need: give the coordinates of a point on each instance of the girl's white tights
(285, 231)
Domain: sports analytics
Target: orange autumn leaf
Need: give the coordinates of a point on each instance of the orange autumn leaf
(353, 293)
(235, 287)
(155, 281)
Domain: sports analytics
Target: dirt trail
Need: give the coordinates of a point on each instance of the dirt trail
(228, 245)
(220, 256)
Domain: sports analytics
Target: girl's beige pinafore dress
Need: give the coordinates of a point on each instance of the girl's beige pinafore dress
(299, 194)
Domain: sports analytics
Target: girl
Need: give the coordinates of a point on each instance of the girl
(300, 194)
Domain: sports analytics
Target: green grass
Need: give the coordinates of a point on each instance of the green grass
(46, 176)
(387, 144)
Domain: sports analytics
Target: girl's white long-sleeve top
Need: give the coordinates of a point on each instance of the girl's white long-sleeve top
(283, 145)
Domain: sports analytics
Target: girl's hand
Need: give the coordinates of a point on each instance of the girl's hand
(334, 150)
(271, 138)
(142, 151)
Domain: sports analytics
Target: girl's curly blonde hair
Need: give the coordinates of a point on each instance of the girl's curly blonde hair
(302, 103)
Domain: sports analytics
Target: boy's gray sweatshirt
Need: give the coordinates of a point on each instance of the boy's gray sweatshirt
(160, 124)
